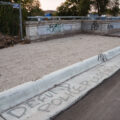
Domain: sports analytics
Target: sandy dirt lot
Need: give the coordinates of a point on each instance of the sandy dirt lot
(23, 63)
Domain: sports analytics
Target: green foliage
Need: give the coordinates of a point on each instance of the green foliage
(9, 17)
(82, 7)
(114, 9)
(74, 8)
(100, 6)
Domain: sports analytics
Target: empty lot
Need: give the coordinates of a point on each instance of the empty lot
(23, 63)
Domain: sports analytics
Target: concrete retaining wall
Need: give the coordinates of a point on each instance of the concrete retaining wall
(100, 27)
(38, 30)
(28, 90)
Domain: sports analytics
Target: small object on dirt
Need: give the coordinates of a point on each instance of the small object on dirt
(26, 41)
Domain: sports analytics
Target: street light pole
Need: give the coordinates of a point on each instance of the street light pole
(20, 17)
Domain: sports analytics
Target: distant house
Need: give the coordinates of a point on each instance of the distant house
(50, 12)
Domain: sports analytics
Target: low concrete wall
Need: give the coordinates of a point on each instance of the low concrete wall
(45, 29)
(100, 27)
(37, 30)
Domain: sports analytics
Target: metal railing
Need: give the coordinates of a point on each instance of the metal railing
(44, 18)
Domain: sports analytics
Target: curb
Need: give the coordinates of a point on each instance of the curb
(21, 93)
(1, 118)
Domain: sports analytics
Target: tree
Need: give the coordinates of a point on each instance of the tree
(100, 6)
(7, 14)
(82, 7)
(9, 17)
(114, 8)
(74, 8)
(35, 9)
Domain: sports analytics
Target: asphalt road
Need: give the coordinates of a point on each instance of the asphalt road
(102, 103)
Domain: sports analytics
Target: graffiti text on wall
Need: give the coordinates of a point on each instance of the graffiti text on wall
(94, 26)
(102, 57)
(110, 27)
(55, 28)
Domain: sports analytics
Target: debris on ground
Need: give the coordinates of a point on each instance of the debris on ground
(6, 40)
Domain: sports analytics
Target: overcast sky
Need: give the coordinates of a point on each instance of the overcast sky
(50, 4)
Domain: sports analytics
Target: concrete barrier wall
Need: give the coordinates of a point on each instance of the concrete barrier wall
(36, 30)
(100, 27)
(95, 27)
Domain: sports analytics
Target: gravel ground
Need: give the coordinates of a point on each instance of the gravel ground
(23, 63)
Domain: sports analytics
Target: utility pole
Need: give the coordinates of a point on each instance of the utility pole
(17, 6)
(21, 27)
